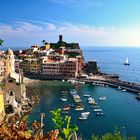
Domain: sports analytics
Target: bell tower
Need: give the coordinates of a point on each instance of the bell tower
(9, 62)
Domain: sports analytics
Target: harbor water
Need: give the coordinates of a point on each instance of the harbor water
(121, 109)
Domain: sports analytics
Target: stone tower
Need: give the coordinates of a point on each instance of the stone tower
(9, 62)
(22, 85)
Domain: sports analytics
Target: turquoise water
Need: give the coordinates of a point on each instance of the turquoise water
(121, 108)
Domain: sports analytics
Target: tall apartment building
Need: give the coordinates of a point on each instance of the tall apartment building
(61, 69)
(31, 66)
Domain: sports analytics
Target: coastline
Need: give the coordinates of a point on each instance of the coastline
(29, 81)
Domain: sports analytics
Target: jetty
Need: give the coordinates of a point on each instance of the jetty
(112, 82)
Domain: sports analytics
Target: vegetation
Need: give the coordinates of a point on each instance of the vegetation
(15, 127)
(1, 42)
(73, 54)
(112, 136)
(1, 85)
(67, 130)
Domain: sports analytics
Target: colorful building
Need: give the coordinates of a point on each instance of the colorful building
(63, 69)
(2, 66)
(1, 106)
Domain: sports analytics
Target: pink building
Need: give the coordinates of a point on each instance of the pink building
(64, 69)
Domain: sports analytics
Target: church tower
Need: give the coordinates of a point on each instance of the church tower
(9, 62)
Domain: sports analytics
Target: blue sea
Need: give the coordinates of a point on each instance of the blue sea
(121, 108)
(111, 60)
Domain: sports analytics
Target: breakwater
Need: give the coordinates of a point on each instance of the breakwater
(115, 83)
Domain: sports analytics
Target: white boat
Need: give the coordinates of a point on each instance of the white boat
(95, 107)
(90, 99)
(126, 62)
(123, 90)
(79, 108)
(82, 118)
(102, 98)
(66, 108)
(64, 99)
(98, 110)
(85, 113)
(92, 102)
(119, 87)
(87, 95)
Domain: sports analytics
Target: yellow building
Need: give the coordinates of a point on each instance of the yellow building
(1, 106)
(1, 103)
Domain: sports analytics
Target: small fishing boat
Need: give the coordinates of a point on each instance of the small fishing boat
(82, 118)
(66, 108)
(123, 90)
(85, 113)
(119, 87)
(87, 95)
(90, 99)
(100, 114)
(102, 98)
(95, 107)
(98, 110)
(92, 102)
(126, 62)
(79, 108)
(64, 99)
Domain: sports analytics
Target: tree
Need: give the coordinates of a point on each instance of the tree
(112, 136)
(1, 42)
(43, 41)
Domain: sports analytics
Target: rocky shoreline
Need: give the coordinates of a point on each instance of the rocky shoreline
(29, 81)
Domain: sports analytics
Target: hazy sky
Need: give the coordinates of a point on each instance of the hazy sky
(89, 22)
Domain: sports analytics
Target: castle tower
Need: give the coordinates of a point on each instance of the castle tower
(60, 38)
(9, 62)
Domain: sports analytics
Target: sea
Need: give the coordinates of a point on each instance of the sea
(122, 110)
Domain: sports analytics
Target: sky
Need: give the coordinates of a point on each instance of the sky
(88, 22)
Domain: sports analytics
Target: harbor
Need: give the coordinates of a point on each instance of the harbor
(115, 105)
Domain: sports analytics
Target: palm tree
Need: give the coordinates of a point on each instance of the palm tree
(43, 41)
(1, 42)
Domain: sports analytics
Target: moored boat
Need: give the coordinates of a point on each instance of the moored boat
(79, 108)
(123, 90)
(82, 118)
(100, 114)
(87, 95)
(85, 113)
(95, 107)
(102, 98)
(64, 99)
(66, 108)
(98, 110)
